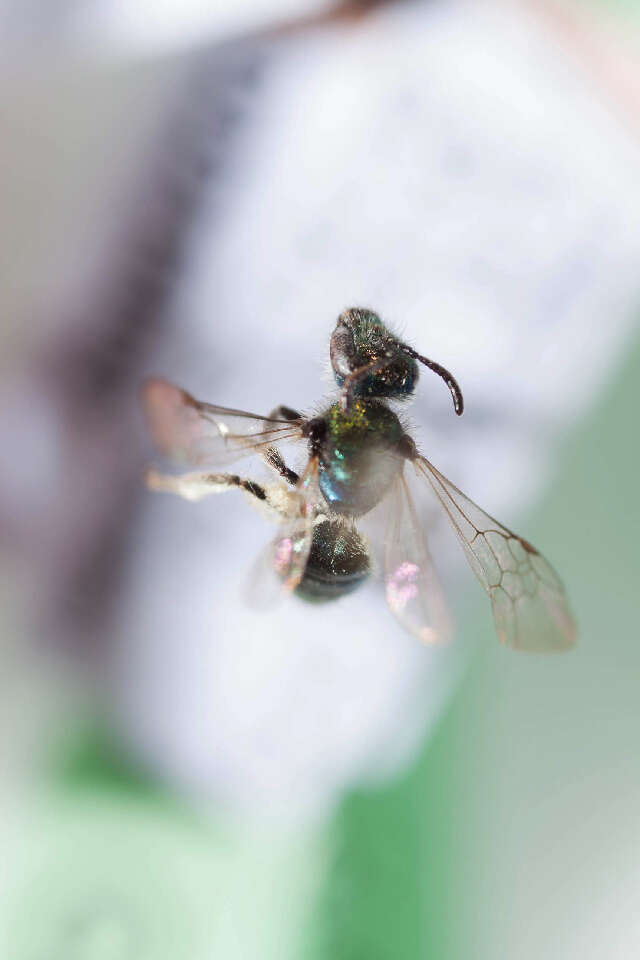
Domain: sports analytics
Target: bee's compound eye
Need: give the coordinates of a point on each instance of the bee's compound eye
(342, 349)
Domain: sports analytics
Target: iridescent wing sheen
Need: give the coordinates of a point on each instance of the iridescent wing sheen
(200, 434)
(530, 606)
(413, 590)
(293, 542)
(281, 565)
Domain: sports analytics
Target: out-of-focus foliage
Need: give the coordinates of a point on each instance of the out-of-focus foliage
(203, 210)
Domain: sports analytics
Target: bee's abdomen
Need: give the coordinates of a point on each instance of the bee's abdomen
(338, 563)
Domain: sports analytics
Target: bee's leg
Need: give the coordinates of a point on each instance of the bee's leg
(195, 486)
(274, 459)
(272, 456)
(284, 413)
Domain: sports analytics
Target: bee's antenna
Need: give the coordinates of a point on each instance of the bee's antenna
(449, 379)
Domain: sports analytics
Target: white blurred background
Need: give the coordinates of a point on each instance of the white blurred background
(197, 190)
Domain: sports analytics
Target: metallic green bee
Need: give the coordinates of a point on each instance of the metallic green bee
(359, 455)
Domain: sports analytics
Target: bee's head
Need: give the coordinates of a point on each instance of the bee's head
(360, 340)
(376, 364)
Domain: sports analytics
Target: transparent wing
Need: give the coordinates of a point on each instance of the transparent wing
(262, 588)
(204, 435)
(412, 587)
(280, 566)
(530, 607)
(293, 543)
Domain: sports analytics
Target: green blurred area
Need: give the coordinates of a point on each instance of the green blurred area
(104, 873)
(624, 7)
(509, 830)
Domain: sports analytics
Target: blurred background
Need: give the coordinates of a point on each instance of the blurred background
(197, 190)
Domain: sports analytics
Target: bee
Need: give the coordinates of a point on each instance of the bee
(358, 456)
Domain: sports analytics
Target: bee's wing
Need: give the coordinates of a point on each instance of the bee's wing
(261, 588)
(530, 606)
(293, 542)
(281, 565)
(203, 435)
(412, 586)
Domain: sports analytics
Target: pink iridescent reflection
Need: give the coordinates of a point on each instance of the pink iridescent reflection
(402, 586)
(283, 554)
(403, 592)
